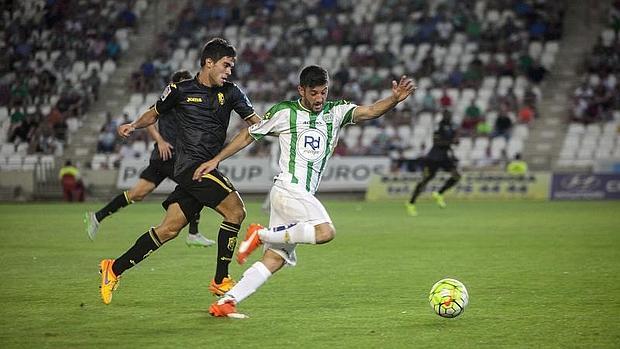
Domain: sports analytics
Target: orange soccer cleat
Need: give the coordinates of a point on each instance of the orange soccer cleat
(250, 243)
(223, 307)
(109, 281)
(223, 287)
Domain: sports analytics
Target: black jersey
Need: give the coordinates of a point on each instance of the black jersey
(167, 125)
(202, 115)
(443, 138)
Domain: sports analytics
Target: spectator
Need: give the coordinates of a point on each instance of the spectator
(472, 117)
(445, 101)
(428, 102)
(483, 129)
(536, 73)
(503, 126)
(517, 166)
(526, 114)
(72, 187)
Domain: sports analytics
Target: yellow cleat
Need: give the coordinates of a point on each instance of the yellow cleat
(109, 281)
(411, 210)
(439, 199)
(223, 287)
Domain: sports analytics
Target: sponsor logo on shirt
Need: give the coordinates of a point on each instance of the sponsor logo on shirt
(194, 99)
(165, 94)
(311, 144)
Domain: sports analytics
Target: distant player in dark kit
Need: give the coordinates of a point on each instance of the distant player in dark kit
(203, 107)
(160, 167)
(439, 157)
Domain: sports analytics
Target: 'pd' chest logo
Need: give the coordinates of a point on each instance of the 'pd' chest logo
(311, 144)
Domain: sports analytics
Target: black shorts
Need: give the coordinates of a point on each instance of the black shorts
(158, 170)
(192, 195)
(431, 166)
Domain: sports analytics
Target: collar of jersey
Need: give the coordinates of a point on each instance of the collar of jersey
(301, 106)
(200, 84)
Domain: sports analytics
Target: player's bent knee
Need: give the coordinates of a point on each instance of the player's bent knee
(272, 261)
(236, 215)
(325, 233)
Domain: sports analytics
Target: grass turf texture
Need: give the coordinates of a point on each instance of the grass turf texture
(539, 275)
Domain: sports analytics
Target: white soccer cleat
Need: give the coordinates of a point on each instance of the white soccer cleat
(198, 240)
(92, 225)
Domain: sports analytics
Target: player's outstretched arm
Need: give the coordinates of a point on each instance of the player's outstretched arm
(400, 91)
(241, 140)
(149, 117)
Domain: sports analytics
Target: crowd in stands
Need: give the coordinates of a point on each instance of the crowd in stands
(480, 60)
(598, 96)
(594, 130)
(56, 55)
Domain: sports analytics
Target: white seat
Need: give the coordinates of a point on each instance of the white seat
(30, 162)
(404, 132)
(585, 153)
(465, 143)
(602, 153)
(576, 128)
(139, 147)
(521, 132)
(79, 67)
(481, 143)
(7, 149)
(108, 66)
(136, 99)
(22, 149)
(14, 162)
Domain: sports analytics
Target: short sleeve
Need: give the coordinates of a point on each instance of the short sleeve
(168, 99)
(241, 103)
(275, 121)
(342, 112)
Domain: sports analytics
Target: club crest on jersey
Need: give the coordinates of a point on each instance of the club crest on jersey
(166, 92)
(220, 98)
(328, 117)
(311, 144)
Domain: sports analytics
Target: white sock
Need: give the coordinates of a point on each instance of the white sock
(252, 279)
(300, 233)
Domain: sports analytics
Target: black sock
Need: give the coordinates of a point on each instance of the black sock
(193, 225)
(146, 244)
(226, 242)
(120, 201)
(418, 190)
(449, 184)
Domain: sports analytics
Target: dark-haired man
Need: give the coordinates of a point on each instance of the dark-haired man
(203, 106)
(160, 167)
(308, 131)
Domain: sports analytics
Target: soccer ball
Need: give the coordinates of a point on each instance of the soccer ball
(448, 297)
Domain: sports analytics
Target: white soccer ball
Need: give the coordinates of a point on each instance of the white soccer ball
(448, 297)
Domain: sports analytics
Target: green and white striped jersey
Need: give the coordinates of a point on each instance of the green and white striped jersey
(307, 139)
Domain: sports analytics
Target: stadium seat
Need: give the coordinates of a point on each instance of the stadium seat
(30, 162)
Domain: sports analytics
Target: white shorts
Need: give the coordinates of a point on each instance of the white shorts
(290, 204)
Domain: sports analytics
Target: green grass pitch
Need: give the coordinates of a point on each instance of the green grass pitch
(539, 274)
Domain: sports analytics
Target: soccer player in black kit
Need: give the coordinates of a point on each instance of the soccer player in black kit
(160, 167)
(440, 156)
(203, 106)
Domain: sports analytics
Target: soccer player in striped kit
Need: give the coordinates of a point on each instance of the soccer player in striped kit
(308, 131)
